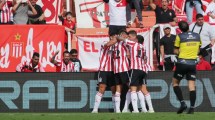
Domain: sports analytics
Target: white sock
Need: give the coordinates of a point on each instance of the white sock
(117, 101)
(98, 98)
(113, 102)
(149, 101)
(134, 100)
(128, 100)
(142, 101)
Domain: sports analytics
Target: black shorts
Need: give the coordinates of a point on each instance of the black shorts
(106, 77)
(121, 78)
(114, 30)
(137, 77)
(185, 69)
(143, 81)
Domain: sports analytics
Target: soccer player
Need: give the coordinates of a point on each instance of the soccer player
(136, 55)
(121, 67)
(143, 83)
(105, 74)
(64, 65)
(188, 43)
(32, 66)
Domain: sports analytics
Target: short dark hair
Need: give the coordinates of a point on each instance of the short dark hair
(140, 39)
(72, 51)
(65, 52)
(183, 26)
(68, 13)
(199, 15)
(122, 31)
(132, 32)
(36, 54)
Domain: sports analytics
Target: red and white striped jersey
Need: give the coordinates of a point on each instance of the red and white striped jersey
(6, 13)
(106, 58)
(146, 67)
(28, 67)
(62, 67)
(117, 12)
(121, 63)
(136, 54)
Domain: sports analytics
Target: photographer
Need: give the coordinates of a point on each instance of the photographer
(22, 9)
(189, 5)
(5, 12)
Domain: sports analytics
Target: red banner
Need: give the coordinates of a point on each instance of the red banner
(19, 42)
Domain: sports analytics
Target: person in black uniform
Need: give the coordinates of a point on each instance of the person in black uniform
(187, 46)
(167, 48)
(39, 18)
(74, 58)
(163, 15)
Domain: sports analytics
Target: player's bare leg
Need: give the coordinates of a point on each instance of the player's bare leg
(98, 97)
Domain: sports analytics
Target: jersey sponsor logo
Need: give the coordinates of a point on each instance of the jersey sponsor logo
(191, 37)
(191, 44)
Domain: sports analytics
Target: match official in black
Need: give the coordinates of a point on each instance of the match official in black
(187, 45)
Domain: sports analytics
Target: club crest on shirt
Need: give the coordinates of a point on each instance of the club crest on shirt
(170, 14)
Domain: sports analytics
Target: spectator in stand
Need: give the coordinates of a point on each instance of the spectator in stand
(167, 48)
(64, 65)
(138, 5)
(177, 5)
(117, 13)
(74, 58)
(207, 34)
(5, 12)
(164, 14)
(203, 64)
(22, 9)
(39, 18)
(69, 26)
(189, 5)
(32, 66)
(210, 11)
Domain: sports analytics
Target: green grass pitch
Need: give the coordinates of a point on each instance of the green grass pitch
(108, 116)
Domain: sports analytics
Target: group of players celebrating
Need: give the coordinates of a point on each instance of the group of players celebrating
(122, 62)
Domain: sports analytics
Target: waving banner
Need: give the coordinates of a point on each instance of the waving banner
(51, 9)
(89, 49)
(19, 42)
(91, 13)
